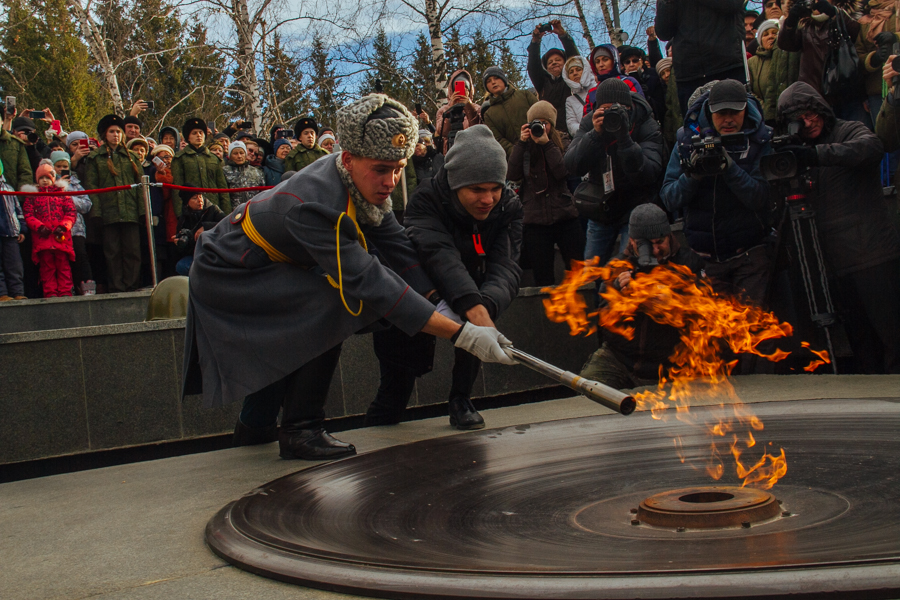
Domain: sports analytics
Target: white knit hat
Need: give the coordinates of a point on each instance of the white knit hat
(235, 145)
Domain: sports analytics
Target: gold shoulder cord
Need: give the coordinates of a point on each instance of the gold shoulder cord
(277, 256)
(351, 213)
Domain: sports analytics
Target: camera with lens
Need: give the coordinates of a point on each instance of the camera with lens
(183, 238)
(456, 116)
(646, 260)
(537, 128)
(614, 118)
(545, 27)
(782, 164)
(32, 137)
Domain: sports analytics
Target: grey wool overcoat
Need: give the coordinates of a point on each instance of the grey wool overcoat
(256, 315)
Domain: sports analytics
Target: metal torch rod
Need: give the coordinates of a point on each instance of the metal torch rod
(601, 394)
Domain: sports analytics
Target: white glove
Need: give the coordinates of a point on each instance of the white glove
(486, 343)
(444, 309)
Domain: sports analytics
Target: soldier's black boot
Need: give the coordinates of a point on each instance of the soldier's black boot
(463, 414)
(311, 444)
(245, 435)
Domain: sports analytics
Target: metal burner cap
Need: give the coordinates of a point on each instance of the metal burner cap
(708, 507)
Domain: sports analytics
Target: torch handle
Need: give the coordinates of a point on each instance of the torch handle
(601, 394)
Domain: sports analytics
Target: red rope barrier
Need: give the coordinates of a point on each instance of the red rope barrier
(61, 193)
(258, 188)
(128, 187)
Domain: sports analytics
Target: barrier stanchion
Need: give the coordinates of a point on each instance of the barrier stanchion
(151, 243)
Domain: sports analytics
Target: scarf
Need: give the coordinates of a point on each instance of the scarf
(366, 212)
(881, 11)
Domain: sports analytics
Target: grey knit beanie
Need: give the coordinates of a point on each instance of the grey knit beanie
(476, 157)
(378, 127)
(613, 91)
(648, 222)
(494, 72)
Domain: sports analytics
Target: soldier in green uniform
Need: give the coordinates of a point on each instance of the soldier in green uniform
(307, 151)
(198, 165)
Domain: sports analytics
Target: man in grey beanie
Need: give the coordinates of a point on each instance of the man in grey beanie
(467, 228)
(622, 363)
(278, 285)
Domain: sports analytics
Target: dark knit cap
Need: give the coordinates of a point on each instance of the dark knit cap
(627, 51)
(648, 222)
(21, 124)
(134, 121)
(613, 91)
(186, 195)
(494, 72)
(476, 157)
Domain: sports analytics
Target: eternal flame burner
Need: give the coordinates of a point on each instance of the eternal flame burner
(708, 507)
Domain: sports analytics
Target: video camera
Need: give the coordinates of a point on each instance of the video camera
(710, 159)
(782, 164)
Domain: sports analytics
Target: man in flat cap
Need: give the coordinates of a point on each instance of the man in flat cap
(278, 285)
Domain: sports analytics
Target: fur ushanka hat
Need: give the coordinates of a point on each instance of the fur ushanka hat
(378, 127)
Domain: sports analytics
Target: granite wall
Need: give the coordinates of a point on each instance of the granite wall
(102, 386)
(77, 311)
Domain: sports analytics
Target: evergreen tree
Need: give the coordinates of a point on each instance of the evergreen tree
(422, 73)
(511, 66)
(455, 51)
(324, 93)
(285, 96)
(384, 68)
(43, 63)
(481, 56)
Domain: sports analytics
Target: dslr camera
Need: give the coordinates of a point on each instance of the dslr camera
(646, 260)
(183, 238)
(711, 159)
(614, 118)
(537, 128)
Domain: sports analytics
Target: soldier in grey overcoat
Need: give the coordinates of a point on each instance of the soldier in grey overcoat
(278, 285)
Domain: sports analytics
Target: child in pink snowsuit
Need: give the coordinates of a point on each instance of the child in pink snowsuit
(50, 219)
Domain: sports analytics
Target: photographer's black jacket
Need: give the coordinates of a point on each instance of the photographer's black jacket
(653, 343)
(729, 213)
(852, 217)
(445, 237)
(637, 167)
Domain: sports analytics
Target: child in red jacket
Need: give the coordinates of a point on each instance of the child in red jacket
(50, 218)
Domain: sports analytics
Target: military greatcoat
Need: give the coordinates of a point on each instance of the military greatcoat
(261, 305)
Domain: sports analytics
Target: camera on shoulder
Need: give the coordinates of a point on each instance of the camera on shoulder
(708, 155)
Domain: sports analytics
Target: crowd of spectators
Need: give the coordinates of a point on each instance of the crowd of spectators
(684, 127)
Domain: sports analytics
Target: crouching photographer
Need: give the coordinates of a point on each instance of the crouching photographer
(625, 363)
(197, 215)
(860, 243)
(621, 149)
(714, 178)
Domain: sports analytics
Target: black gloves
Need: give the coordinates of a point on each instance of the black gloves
(806, 155)
(824, 7)
(60, 231)
(43, 231)
(885, 44)
(797, 12)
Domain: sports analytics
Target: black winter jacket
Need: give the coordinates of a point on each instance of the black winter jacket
(706, 35)
(446, 238)
(852, 216)
(653, 343)
(727, 213)
(194, 219)
(544, 193)
(552, 89)
(637, 167)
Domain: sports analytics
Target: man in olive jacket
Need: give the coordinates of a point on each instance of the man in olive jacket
(307, 151)
(200, 166)
(16, 167)
(506, 110)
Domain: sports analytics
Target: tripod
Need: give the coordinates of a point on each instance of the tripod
(810, 259)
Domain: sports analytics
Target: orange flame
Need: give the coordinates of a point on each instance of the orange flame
(708, 323)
